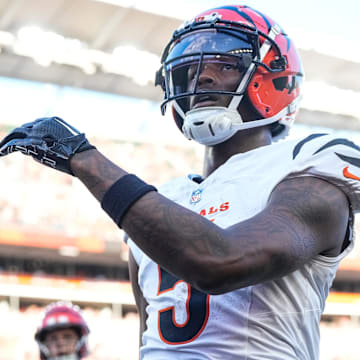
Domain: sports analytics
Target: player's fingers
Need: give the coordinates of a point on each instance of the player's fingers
(26, 146)
(16, 134)
(7, 149)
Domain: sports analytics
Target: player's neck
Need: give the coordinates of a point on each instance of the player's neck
(241, 142)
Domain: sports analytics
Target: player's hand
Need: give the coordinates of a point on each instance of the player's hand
(50, 141)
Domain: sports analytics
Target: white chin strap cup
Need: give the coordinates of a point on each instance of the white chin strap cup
(210, 125)
(214, 125)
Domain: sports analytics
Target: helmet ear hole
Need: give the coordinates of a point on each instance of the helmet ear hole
(280, 83)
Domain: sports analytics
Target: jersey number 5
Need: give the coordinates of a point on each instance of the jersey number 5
(197, 308)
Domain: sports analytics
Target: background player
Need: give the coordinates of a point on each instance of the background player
(236, 263)
(63, 333)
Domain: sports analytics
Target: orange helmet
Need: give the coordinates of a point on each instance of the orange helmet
(249, 40)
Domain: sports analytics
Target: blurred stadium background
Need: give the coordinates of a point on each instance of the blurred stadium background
(93, 63)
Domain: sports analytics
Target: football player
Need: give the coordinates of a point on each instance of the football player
(63, 333)
(235, 263)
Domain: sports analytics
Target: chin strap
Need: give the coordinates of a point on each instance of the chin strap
(178, 109)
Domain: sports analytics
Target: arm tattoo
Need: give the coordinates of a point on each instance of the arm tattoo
(96, 172)
(310, 210)
(177, 229)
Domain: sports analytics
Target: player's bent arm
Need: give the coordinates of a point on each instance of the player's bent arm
(139, 298)
(304, 217)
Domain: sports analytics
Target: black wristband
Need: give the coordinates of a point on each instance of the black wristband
(122, 195)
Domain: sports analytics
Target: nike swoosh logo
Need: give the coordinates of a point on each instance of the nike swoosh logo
(349, 175)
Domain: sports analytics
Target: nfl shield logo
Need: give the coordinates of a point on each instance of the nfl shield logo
(195, 196)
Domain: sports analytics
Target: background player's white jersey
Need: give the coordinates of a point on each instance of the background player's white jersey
(276, 320)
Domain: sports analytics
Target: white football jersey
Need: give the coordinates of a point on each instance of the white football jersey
(277, 320)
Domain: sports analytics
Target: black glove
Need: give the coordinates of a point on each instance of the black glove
(50, 141)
